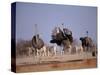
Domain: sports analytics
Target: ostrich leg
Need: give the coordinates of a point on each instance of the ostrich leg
(44, 49)
(55, 48)
(38, 52)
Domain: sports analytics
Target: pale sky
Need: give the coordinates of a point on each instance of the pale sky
(78, 19)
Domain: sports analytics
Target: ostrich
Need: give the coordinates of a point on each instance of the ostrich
(62, 38)
(37, 43)
(87, 43)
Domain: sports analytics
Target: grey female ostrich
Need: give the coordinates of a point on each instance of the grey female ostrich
(87, 43)
(37, 43)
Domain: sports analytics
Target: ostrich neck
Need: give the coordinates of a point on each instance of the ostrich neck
(36, 39)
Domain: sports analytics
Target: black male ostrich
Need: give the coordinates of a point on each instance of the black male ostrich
(62, 37)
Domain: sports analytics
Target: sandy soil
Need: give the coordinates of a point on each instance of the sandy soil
(86, 63)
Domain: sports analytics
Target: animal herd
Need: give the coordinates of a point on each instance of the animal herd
(62, 39)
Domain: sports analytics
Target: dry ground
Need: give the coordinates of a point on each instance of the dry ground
(86, 63)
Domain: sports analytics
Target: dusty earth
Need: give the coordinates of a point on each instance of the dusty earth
(65, 62)
(79, 64)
